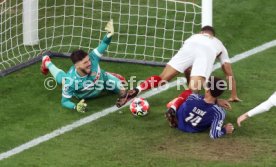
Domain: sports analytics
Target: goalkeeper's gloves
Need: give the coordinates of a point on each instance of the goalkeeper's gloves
(81, 106)
(109, 28)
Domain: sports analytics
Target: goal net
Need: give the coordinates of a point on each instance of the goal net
(145, 30)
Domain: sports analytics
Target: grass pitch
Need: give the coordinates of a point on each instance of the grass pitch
(28, 110)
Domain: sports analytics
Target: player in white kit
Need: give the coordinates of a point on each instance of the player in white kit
(261, 108)
(199, 52)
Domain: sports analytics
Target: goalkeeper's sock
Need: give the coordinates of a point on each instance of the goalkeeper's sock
(47, 63)
(57, 73)
(151, 82)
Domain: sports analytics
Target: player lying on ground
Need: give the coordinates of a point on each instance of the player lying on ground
(199, 52)
(199, 113)
(85, 79)
(261, 108)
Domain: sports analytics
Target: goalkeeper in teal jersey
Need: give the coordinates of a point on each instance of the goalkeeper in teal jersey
(85, 79)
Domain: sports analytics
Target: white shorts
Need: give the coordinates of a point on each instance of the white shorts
(201, 61)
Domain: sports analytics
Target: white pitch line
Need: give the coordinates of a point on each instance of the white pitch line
(109, 110)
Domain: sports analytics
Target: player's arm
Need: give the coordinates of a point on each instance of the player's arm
(98, 52)
(261, 108)
(80, 107)
(67, 93)
(217, 128)
(224, 104)
(66, 102)
(227, 69)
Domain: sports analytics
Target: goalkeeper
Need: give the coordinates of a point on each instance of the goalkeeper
(85, 79)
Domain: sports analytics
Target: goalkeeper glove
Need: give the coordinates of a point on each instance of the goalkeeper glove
(81, 106)
(109, 28)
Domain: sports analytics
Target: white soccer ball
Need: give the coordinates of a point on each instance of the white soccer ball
(139, 107)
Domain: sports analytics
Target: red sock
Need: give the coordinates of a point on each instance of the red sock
(151, 82)
(182, 98)
(185, 94)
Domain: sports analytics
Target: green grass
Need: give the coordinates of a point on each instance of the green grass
(122, 140)
(28, 110)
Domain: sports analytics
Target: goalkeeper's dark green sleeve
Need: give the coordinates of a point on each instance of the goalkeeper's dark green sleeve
(67, 103)
(104, 44)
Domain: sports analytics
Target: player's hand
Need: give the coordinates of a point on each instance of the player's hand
(234, 99)
(109, 28)
(81, 106)
(242, 118)
(224, 104)
(229, 128)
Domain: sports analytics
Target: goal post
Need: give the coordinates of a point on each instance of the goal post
(30, 22)
(146, 31)
(207, 13)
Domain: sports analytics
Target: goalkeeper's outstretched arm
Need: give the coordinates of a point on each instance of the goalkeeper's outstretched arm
(106, 40)
(67, 93)
(65, 102)
(80, 107)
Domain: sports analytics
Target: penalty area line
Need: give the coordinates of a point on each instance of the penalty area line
(113, 109)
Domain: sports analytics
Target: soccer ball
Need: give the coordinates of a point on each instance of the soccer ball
(139, 107)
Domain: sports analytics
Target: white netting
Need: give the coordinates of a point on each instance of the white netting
(144, 29)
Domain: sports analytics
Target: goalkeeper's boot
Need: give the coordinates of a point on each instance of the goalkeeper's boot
(171, 117)
(127, 96)
(43, 66)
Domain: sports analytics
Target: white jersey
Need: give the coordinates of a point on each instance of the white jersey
(200, 52)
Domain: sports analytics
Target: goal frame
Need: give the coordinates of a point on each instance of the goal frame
(30, 35)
